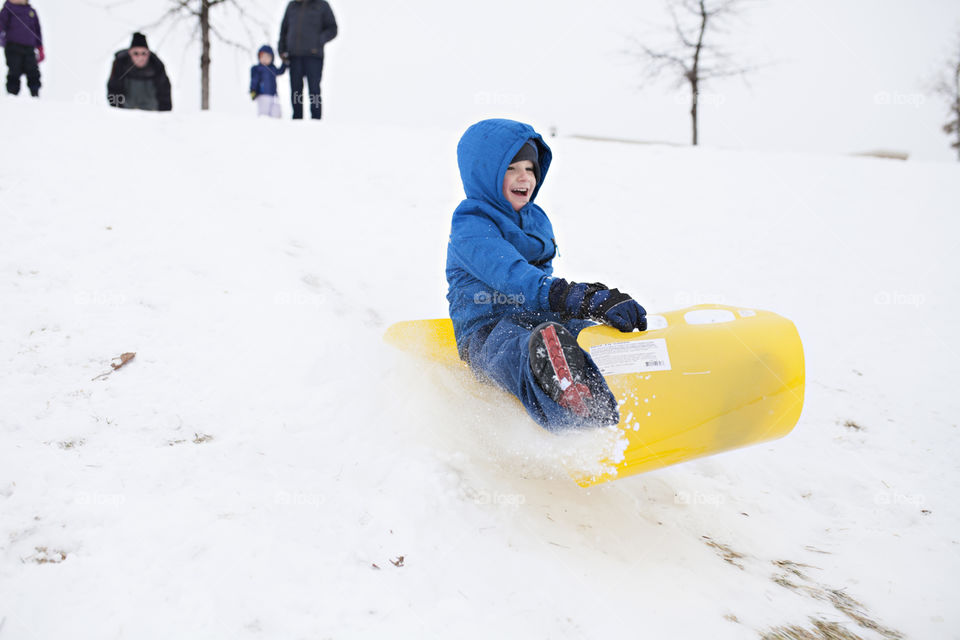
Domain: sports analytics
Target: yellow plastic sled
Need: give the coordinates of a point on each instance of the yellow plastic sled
(699, 381)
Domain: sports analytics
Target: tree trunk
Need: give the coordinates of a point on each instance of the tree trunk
(956, 104)
(205, 55)
(693, 106)
(695, 70)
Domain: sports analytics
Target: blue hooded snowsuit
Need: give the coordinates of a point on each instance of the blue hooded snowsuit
(263, 77)
(499, 266)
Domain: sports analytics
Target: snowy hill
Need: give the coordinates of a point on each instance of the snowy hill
(266, 467)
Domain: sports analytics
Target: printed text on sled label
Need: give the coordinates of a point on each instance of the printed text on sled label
(636, 356)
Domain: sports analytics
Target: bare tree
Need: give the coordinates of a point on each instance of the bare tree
(199, 11)
(949, 88)
(692, 57)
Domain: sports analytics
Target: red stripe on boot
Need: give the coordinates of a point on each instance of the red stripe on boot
(573, 395)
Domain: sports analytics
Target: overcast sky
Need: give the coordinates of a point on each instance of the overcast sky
(834, 76)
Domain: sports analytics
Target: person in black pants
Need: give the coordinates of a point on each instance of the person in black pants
(22, 44)
(307, 26)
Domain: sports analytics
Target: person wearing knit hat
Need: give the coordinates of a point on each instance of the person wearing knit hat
(515, 323)
(522, 176)
(139, 41)
(529, 152)
(138, 79)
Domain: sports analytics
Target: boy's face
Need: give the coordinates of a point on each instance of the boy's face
(140, 56)
(19, 1)
(265, 58)
(518, 183)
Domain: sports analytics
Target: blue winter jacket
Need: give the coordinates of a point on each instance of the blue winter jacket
(263, 77)
(498, 260)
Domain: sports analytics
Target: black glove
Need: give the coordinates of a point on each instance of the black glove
(598, 302)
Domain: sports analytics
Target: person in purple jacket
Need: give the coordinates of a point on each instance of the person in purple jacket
(22, 44)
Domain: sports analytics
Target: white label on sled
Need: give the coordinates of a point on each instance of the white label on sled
(636, 356)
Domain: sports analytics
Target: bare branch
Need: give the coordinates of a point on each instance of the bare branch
(227, 41)
(724, 9)
(948, 87)
(245, 18)
(184, 5)
(681, 36)
(707, 73)
(665, 58)
(178, 9)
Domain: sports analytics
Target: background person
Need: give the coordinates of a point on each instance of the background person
(19, 36)
(307, 26)
(138, 79)
(263, 83)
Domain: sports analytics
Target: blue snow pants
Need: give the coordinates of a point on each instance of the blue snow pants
(500, 353)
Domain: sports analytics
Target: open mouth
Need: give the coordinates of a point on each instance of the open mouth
(522, 192)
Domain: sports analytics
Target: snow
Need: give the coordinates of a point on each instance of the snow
(262, 465)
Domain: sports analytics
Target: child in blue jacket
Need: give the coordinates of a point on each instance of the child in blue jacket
(515, 323)
(263, 83)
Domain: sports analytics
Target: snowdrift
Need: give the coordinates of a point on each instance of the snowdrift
(267, 467)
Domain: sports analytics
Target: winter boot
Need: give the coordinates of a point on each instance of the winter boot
(560, 368)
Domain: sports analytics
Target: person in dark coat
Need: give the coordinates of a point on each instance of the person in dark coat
(138, 79)
(307, 26)
(20, 36)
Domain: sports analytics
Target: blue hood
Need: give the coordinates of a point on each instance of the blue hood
(266, 49)
(499, 261)
(485, 152)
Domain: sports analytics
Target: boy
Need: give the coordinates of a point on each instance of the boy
(263, 83)
(514, 323)
(20, 35)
